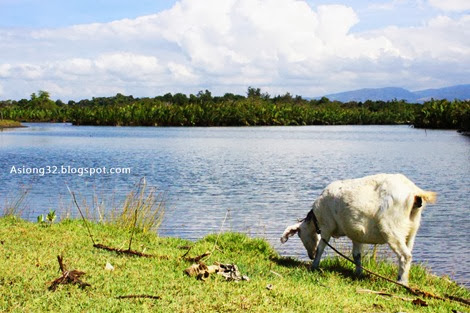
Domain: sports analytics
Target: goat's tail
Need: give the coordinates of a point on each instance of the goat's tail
(419, 200)
(428, 196)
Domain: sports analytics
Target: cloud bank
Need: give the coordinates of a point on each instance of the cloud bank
(228, 45)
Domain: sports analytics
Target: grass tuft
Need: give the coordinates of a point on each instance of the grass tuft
(17, 204)
(143, 209)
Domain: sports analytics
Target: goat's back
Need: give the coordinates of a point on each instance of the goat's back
(356, 207)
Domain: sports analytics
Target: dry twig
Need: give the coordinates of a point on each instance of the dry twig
(68, 277)
(416, 301)
(122, 251)
(198, 258)
(139, 296)
(81, 213)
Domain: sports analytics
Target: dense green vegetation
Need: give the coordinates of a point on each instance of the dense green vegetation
(444, 114)
(256, 108)
(28, 264)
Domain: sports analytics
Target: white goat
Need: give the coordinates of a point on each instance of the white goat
(377, 209)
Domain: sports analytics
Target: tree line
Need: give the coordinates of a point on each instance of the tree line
(253, 109)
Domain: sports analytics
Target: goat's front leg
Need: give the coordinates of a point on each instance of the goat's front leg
(319, 252)
(357, 250)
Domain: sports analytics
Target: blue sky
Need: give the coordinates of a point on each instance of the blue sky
(81, 49)
(59, 13)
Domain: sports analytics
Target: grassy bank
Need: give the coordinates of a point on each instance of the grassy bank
(28, 262)
(9, 124)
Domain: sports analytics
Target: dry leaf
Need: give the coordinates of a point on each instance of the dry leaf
(419, 302)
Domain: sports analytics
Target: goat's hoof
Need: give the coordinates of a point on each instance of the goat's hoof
(403, 282)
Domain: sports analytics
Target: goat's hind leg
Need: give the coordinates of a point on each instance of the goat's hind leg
(357, 251)
(404, 260)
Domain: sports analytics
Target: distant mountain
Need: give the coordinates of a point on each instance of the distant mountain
(461, 92)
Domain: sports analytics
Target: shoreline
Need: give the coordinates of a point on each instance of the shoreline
(8, 124)
(462, 132)
(29, 263)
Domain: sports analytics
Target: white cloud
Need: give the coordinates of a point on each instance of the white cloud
(182, 73)
(451, 5)
(76, 66)
(128, 65)
(5, 70)
(442, 39)
(227, 45)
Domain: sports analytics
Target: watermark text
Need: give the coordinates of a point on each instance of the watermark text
(68, 170)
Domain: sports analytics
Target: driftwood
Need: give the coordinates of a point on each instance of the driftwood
(68, 277)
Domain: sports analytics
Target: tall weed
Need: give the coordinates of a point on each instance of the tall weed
(143, 208)
(17, 204)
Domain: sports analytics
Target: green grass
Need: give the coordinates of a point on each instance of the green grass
(9, 124)
(28, 263)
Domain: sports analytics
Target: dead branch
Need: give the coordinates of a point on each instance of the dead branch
(382, 293)
(186, 253)
(68, 277)
(122, 251)
(461, 300)
(81, 213)
(198, 258)
(139, 296)
(275, 273)
(185, 247)
(416, 301)
(415, 291)
(62, 267)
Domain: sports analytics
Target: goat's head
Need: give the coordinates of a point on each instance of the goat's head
(307, 233)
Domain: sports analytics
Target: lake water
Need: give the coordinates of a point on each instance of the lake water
(256, 180)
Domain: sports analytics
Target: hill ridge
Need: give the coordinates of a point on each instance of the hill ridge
(461, 92)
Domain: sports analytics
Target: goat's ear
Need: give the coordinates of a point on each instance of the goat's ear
(290, 231)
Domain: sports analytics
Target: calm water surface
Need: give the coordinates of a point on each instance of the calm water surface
(258, 179)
